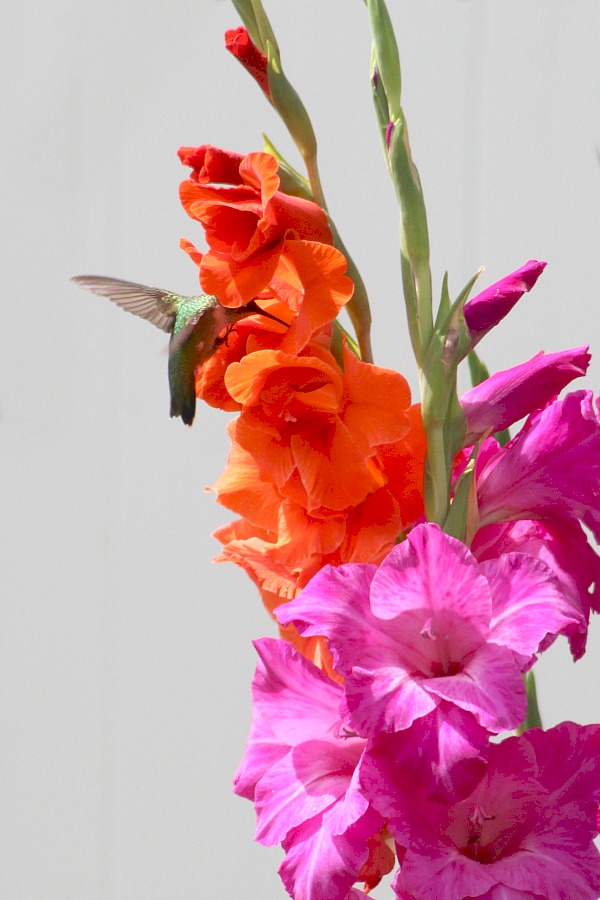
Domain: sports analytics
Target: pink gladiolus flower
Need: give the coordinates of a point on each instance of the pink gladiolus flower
(564, 547)
(301, 769)
(489, 307)
(508, 396)
(524, 829)
(550, 471)
(431, 629)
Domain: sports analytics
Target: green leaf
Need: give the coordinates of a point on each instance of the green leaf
(267, 36)
(246, 14)
(456, 520)
(477, 369)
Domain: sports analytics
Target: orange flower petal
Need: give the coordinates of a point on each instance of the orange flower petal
(241, 489)
(377, 402)
(404, 466)
(235, 283)
(274, 459)
(259, 170)
(318, 271)
(191, 250)
(316, 382)
(333, 470)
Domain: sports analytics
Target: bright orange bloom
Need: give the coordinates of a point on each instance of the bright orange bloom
(305, 421)
(280, 546)
(309, 293)
(310, 279)
(246, 225)
(294, 544)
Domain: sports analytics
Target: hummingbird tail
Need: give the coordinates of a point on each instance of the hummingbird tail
(185, 407)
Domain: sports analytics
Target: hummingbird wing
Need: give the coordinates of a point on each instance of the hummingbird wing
(150, 303)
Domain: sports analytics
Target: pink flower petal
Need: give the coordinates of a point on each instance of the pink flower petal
(528, 603)
(490, 687)
(433, 570)
(308, 780)
(293, 702)
(384, 699)
(508, 396)
(564, 547)
(320, 864)
(551, 470)
(334, 602)
(527, 826)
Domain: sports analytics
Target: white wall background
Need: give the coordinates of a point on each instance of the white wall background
(126, 656)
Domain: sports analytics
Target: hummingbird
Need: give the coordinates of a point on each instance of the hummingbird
(195, 324)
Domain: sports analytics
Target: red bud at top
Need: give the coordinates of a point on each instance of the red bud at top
(238, 42)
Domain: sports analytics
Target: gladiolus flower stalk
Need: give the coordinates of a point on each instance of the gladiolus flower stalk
(415, 559)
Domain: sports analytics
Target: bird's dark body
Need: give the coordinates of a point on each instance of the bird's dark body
(195, 324)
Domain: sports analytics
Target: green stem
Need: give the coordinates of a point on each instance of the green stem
(437, 499)
(312, 170)
(533, 718)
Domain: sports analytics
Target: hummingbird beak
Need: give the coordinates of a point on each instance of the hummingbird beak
(253, 308)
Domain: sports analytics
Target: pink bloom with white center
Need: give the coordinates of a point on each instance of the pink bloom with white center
(300, 768)
(431, 629)
(525, 827)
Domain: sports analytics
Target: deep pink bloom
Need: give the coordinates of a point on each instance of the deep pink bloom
(489, 307)
(564, 547)
(432, 629)
(508, 396)
(525, 829)
(533, 494)
(300, 768)
(550, 471)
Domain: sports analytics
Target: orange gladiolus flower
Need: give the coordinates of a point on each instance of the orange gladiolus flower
(308, 293)
(289, 545)
(305, 422)
(246, 225)
(281, 546)
(310, 279)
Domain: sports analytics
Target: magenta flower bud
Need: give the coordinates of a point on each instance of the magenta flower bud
(489, 307)
(388, 135)
(510, 395)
